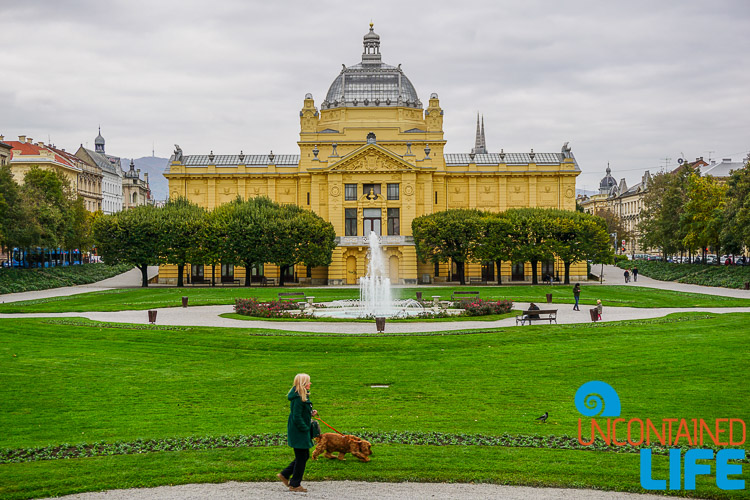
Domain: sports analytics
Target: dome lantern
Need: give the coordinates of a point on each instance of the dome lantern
(371, 41)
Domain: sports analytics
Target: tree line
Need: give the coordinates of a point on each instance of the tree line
(42, 212)
(517, 235)
(686, 213)
(242, 232)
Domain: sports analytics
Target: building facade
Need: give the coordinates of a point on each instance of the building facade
(26, 154)
(371, 159)
(135, 191)
(112, 175)
(89, 180)
(4, 152)
(623, 201)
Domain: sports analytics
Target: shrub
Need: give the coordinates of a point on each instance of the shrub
(695, 274)
(479, 307)
(272, 309)
(24, 280)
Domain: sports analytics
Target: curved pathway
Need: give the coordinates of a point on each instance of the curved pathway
(129, 279)
(209, 316)
(357, 490)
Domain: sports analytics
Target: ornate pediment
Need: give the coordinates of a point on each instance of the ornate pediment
(371, 158)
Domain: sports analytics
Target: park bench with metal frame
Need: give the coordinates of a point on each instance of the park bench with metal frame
(468, 295)
(292, 296)
(539, 315)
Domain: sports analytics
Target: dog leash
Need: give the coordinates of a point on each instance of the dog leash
(318, 418)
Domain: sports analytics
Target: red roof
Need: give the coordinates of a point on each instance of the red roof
(30, 149)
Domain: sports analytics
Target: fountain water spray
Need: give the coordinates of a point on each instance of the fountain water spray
(375, 288)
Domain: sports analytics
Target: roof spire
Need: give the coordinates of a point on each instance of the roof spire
(484, 142)
(479, 145)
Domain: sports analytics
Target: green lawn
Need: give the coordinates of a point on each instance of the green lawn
(75, 384)
(139, 298)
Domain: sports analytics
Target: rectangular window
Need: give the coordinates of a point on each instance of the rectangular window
(350, 192)
(196, 273)
(394, 227)
(227, 273)
(308, 198)
(437, 268)
(435, 197)
(350, 222)
(366, 188)
(309, 272)
(393, 191)
(372, 221)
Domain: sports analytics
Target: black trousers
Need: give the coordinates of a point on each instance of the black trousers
(295, 470)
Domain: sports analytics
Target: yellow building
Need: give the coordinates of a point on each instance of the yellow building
(371, 158)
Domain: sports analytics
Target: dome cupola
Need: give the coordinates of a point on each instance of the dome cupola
(99, 142)
(371, 83)
(607, 183)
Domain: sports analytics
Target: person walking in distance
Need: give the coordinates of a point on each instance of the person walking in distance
(576, 295)
(299, 436)
(627, 276)
(635, 273)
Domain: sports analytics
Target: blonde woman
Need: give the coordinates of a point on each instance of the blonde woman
(298, 431)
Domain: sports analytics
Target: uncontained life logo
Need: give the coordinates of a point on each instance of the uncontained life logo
(599, 399)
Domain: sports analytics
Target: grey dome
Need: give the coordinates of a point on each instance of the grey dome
(607, 183)
(371, 82)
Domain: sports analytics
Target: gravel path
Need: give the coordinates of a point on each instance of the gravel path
(356, 490)
(209, 316)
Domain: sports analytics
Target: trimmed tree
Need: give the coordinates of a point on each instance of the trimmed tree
(131, 237)
(532, 237)
(451, 235)
(300, 236)
(182, 221)
(497, 242)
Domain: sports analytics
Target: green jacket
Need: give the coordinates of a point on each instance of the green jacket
(298, 427)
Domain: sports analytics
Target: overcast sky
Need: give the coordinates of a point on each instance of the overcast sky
(629, 83)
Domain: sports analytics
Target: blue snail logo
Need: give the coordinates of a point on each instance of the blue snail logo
(597, 398)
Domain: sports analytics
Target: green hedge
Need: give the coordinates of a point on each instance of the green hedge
(24, 280)
(695, 274)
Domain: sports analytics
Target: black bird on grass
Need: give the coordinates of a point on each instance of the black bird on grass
(543, 418)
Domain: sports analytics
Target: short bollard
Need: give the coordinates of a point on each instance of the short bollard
(152, 317)
(549, 298)
(594, 314)
(419, 295)
(184, 301)
(380, 324)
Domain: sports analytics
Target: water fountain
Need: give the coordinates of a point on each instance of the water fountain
(375, 288)
(374, 292)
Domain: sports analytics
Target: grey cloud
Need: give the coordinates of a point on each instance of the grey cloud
(629, 83)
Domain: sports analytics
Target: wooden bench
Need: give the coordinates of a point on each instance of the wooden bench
(543, 315)
(467, 295)
(232, 282)
(292, 296)
(199, 281)
(475, 280)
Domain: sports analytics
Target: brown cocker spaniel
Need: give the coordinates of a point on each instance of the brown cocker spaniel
(331, 442)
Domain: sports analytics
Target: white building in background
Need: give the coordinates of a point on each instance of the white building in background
(111, 171)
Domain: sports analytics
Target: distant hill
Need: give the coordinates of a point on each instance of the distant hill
(155, 167)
